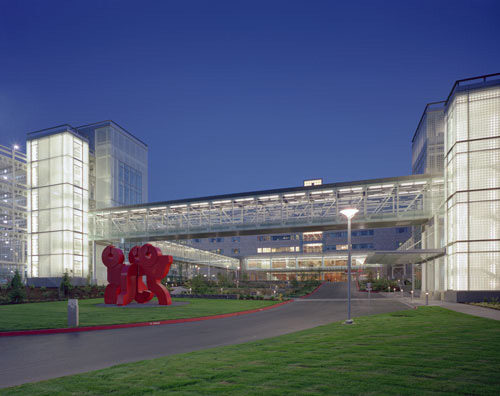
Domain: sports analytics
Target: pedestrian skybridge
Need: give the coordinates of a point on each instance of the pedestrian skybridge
(396, 201)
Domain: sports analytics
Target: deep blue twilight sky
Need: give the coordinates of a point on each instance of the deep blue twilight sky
(236, 96)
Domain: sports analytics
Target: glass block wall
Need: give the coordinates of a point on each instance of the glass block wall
(472, 176)
(58, 205)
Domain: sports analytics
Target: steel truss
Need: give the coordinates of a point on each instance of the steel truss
(183, 254)
(382, 202)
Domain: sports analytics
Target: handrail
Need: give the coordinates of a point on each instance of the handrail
(457, 83)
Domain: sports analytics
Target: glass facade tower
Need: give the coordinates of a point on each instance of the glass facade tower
(121, 165)
(472, 176)
(58, 161)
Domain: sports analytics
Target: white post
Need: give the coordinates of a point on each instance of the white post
(349, 320)
(73, 313)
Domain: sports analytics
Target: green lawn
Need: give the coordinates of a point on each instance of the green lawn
(415, 352)
(47, 315)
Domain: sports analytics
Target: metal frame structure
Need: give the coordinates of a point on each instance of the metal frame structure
(13, 214)
(381, 202)
(188, 255)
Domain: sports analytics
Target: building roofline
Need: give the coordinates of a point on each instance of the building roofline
(484, 77)
(118, 125)
(54, 130)
(423, 114)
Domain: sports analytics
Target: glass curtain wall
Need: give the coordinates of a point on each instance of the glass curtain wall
(121, 168)
(58, 205)
(472, 171)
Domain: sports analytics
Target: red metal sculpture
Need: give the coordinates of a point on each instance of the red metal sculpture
(126, 281)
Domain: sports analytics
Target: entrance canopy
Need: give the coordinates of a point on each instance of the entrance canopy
(399, 257)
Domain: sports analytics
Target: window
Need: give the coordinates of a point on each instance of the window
(283, 249)
(77, 222)
(341, 247)
(77, 174)
(34, 174)
(236, 251)
(196, 240)
(34, 222)
(312, 236)
(281, 237)
(77, 149)
(362, 246)
(34, 151)
(313, 182)
(130, 184)
(339, 234)
(77, 199)
(362, 233)
(216, 240)
(263, 238)
(313, 248)
(218, 251)
(77, 244)
(236, 239)
(34, 199)
(401, 230)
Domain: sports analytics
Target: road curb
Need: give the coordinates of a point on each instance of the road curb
(141, 324)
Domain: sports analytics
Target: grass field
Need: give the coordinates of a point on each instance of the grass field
(416, 352)
(48, 315)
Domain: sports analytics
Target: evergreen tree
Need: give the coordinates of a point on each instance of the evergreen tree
(65, 285)
(17, 293)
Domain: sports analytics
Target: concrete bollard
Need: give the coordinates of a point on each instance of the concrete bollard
(73, 314)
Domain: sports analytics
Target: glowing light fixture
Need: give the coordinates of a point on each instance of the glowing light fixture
(349, 213)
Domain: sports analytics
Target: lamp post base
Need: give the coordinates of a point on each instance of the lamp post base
(349, 321)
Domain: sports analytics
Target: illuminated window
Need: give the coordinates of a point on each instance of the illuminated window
(34, 151)
(34, 199)
(313, 182)
(77, 149)
(34, 222)
(312, 236)
(313, 248)
(34, 174)
(341, 247)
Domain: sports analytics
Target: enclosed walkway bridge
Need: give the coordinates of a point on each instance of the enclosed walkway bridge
(395, 201)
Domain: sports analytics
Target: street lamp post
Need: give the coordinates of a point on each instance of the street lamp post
(349, 214)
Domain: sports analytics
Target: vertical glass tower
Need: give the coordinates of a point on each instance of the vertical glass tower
(121, 165)
(428, 141)
(58, 160)
(472, 176)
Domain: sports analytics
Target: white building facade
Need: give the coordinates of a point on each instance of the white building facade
(472, 175)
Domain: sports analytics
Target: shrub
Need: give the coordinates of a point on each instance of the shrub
(200, 285)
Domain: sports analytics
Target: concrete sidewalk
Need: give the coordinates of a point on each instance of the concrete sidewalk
(468, 309)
